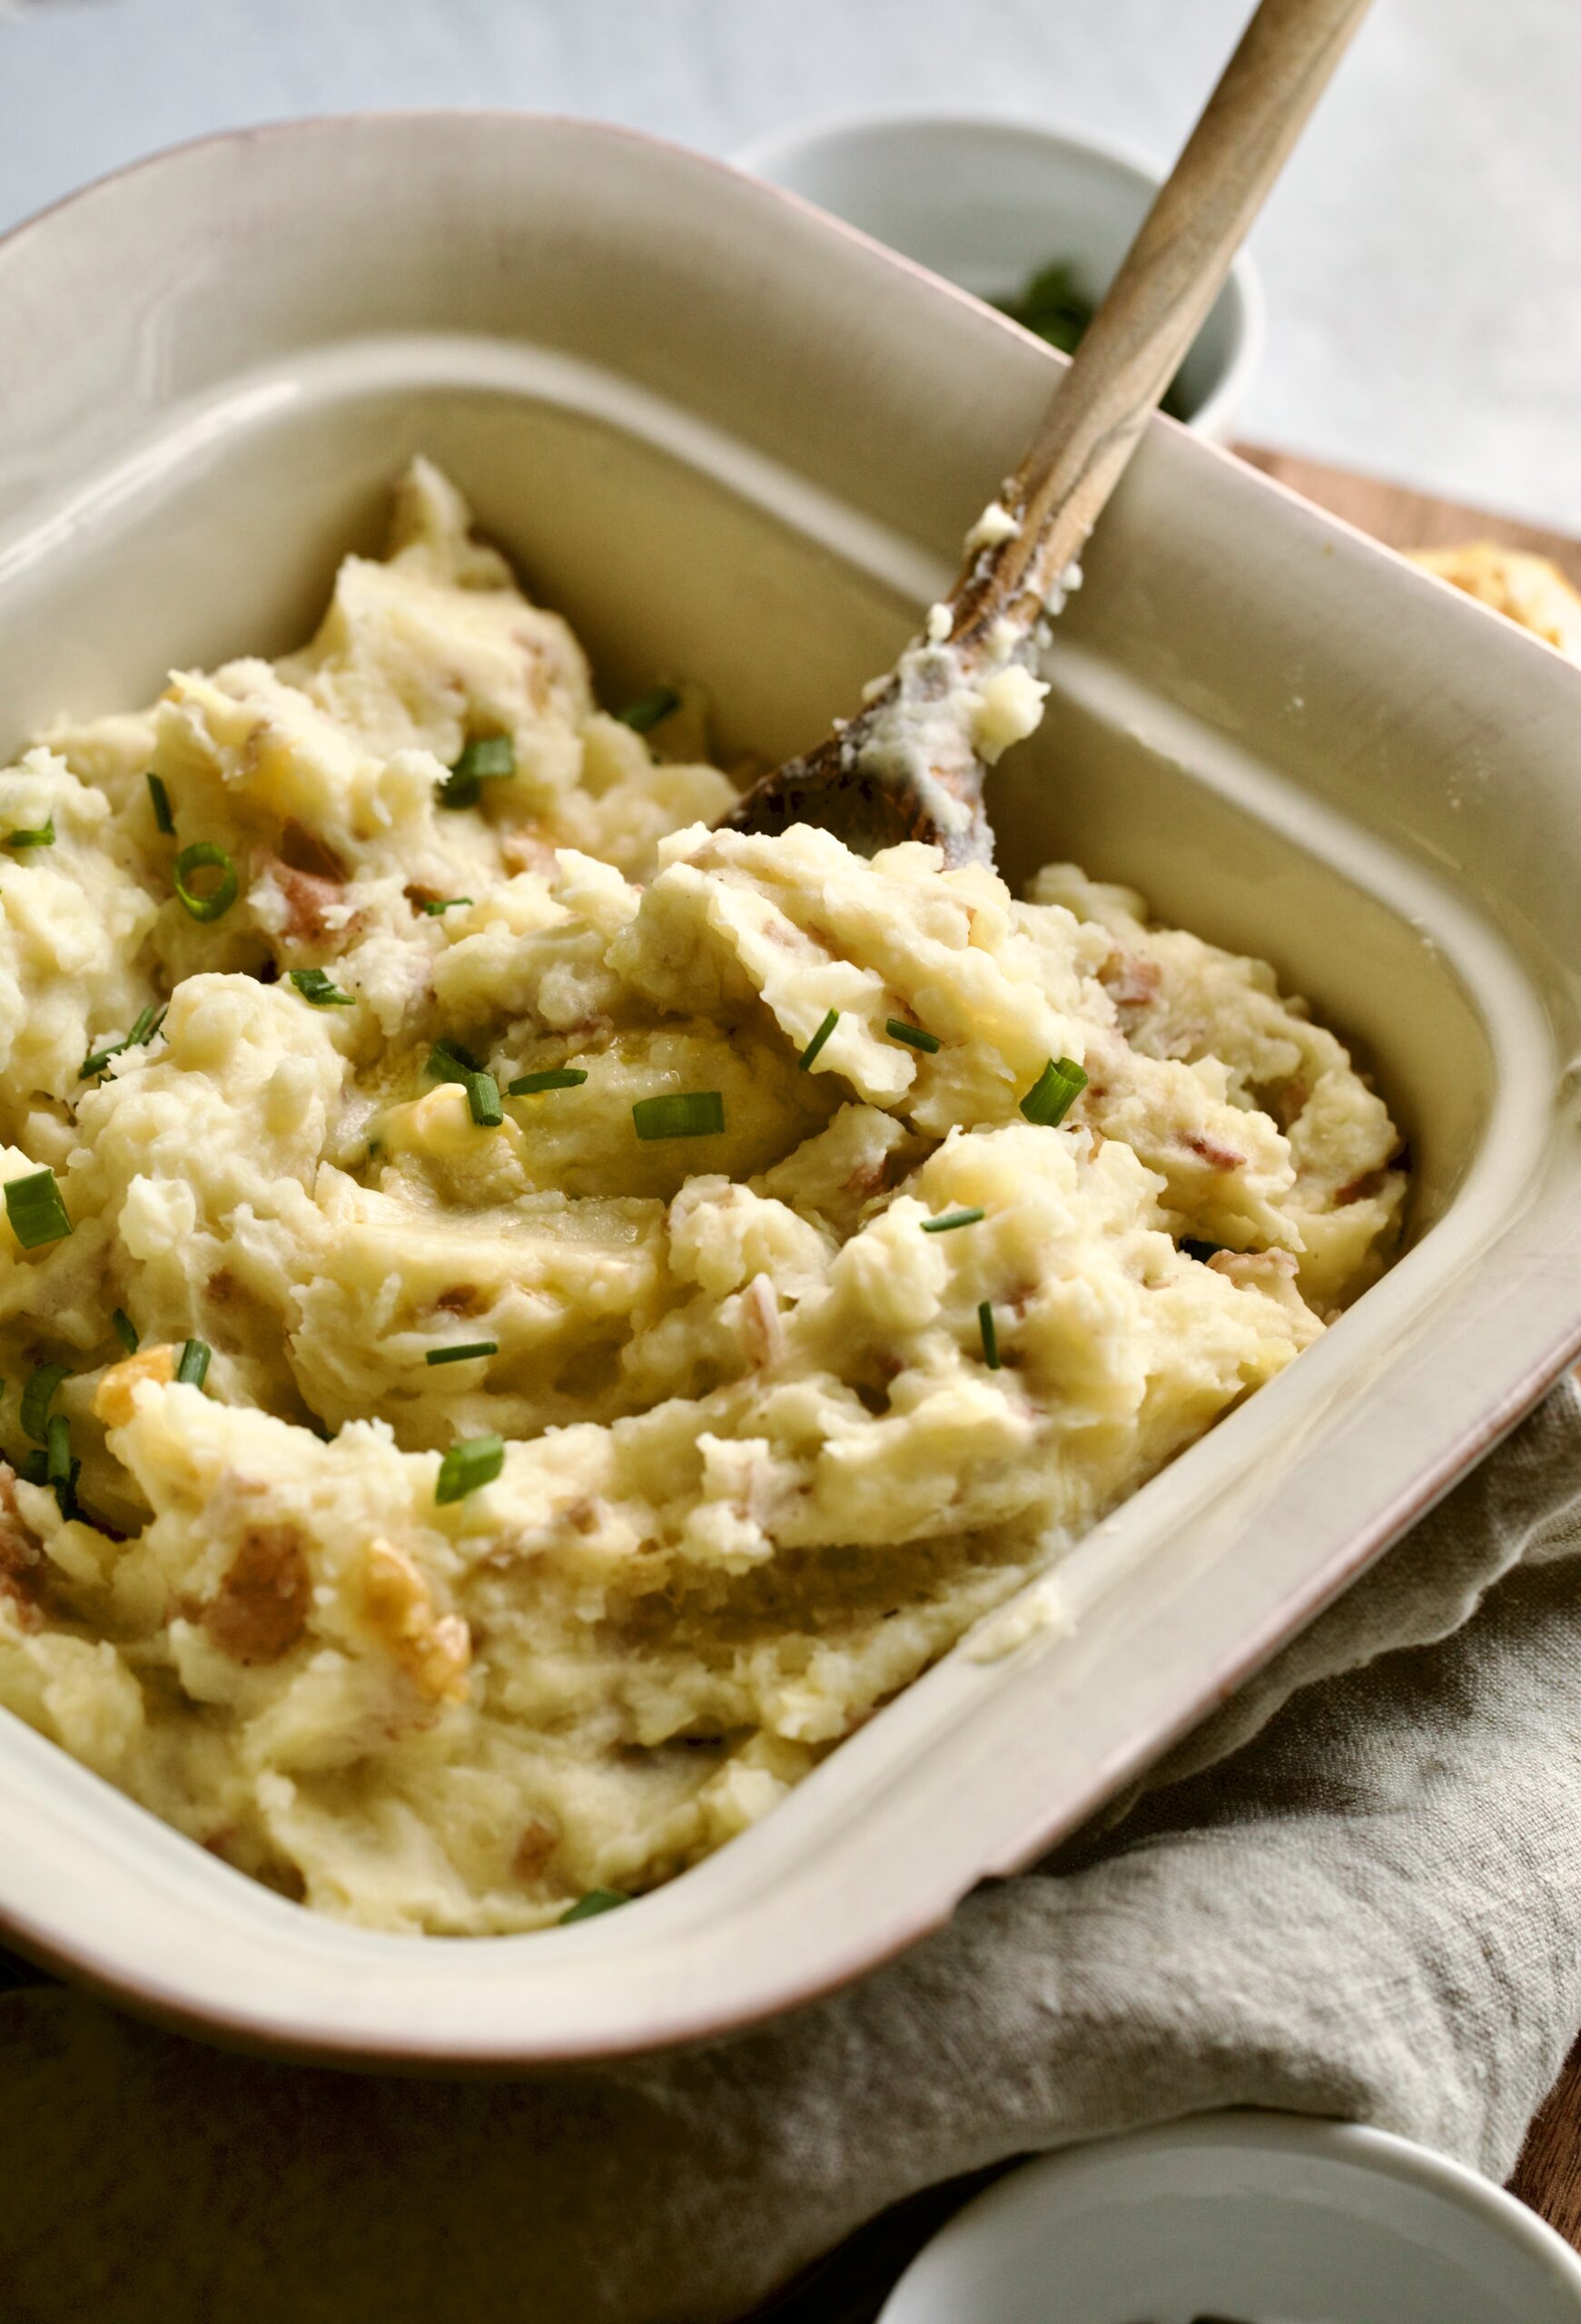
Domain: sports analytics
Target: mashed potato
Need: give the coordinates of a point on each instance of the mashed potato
(788, 1396)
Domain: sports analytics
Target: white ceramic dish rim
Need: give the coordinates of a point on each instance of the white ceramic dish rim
(766, 155)
(1382, 2153)
(288, 1979)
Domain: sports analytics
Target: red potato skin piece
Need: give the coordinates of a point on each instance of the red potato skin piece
(310, 898)
(261, 1608)
(1208, 1149)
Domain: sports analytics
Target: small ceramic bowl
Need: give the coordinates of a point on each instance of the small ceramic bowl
(988, 201)
(1265, 2218)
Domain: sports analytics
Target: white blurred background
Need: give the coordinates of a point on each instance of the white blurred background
(1422, 256)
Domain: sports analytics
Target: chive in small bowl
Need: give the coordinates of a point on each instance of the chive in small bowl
(1034, 220)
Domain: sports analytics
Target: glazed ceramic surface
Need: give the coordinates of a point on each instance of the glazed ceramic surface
(1243, 2214)
(727, 437)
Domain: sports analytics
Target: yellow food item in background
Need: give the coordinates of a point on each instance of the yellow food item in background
(1530, 590)
(772, 1441)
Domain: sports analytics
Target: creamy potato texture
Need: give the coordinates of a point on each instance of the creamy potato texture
(758, 1467)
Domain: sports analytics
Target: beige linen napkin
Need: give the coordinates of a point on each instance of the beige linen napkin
(1355, 1892)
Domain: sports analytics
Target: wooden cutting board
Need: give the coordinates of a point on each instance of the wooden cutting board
(1404, 518)
(851, 2286)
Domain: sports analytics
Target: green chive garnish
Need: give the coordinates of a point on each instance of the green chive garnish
(319, 987)
(163, 819)
(58, 1450)
(475, 1461)
(533, 1085)
(990, 1336)
(483, 1097)
(1201, 1252)
(43, 836)
(194, 1368)
(951, 1218)
(462, 1355)
(206, 854)
(59, 1468)
(911, 1035)
(443, 905)
(596, 1901)
(646, 712)
(37, 1397)
(700, 1113)
(34, 1469)
(35, 1207)
(482, 761)
(1054, 1092)
(147, 1025)
(126, 1330)
(819, 1038)
(448, 1061)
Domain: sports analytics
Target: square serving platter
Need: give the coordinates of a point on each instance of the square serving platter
(730, 438)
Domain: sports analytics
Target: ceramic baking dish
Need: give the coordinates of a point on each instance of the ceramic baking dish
(729, 438)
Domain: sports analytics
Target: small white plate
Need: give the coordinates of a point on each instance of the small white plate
(986, 201)
(1267, 2218)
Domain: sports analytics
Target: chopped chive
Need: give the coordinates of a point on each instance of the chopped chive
(194, 1368)
(596, 1901)
(317, 987)
(1054, 1092)
(483, 1097)
(809, 1054)
(462, 1355)
(35, 1207)
(58, 1450)
(126, 1330)
(911, 1035)
(475, 1461)
(990, 1336)
(206, 855)
(699, 1113)
(448, 1061)
(35, 1469)
(59, 1468)
(164, 820)
(43, 836)
(442, 905)
(37, 1397)
(560, 1076)
(1201, 1252)
(951, 1218)
(642, 715)
(490, 756)
(148, 1023)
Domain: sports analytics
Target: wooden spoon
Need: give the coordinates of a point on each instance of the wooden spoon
(909, 764)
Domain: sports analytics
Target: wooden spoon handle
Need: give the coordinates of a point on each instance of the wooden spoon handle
(1155, 305)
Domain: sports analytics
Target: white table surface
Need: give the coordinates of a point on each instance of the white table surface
(1422, 255)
